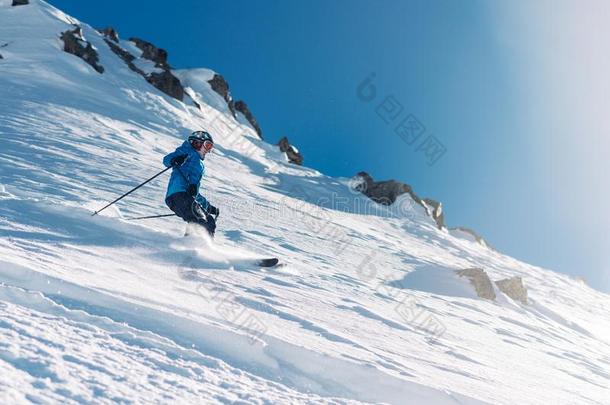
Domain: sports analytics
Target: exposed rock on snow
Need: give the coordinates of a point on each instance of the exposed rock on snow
(126, 56)
(384, 192)
(242, 107)
(20, 2)
(75, 44)
(220, 86)
(197, 87)
(110, 33)
(200, 80)
(163, 80)
(480, 281)
(167, 83)
(435, 210)
(151, 52)
(293, 154)
(514, 288)
(123, 54)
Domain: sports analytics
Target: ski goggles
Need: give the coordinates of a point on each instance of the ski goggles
(206, 145)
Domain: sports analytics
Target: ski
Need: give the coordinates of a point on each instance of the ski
(270, 262)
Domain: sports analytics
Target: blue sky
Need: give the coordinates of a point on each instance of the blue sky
(514, 91)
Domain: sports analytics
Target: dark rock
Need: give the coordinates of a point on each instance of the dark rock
(231, 105)
(167, 83)
(123, 54)
(20, 2)
(294, 156)
(126, 56)
(164, 81)
(514, 288)
(220, 86)
(480, 281)
(75, 44)
(151, 52)
(110, 33)
(384, 192)
(1, 57)
(242, 107)
(435, 210)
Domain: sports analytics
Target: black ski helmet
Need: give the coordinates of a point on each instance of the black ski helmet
(200, 136)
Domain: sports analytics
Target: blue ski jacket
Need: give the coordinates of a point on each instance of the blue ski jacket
(190, 172)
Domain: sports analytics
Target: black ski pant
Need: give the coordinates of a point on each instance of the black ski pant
(185, 206)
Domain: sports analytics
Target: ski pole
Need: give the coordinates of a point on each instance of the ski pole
(132, 190)
(150, 217)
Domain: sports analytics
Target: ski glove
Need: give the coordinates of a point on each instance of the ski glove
(178, 160)
(192, 190)
(213, 210)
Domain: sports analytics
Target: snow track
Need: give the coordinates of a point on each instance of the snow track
(58, 305)
(108, 361)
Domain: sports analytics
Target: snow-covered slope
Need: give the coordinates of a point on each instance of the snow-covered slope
(367, 308)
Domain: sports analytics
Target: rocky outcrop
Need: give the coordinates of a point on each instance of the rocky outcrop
(126, 56)
(435, 210)
(110, 33)
(151, 52)
(123, 54)
(20, 2)
(167, 83)
(514, 288)
(293, 154)
(242, 107)
(480, 281)
(384, 192)
(164, 79)
(75, 44)
(220, 86)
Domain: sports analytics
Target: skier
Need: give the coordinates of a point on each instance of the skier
(183, 196)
